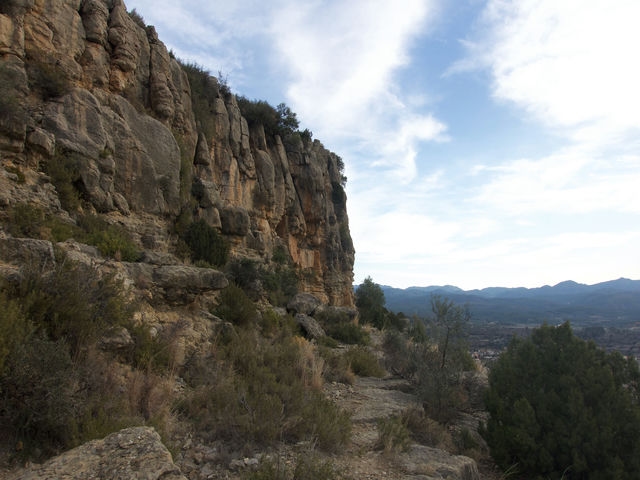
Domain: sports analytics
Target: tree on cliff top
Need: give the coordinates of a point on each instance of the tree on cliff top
(370, 302)
(562, 408)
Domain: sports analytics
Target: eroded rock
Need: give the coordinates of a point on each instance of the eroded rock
(130, 454)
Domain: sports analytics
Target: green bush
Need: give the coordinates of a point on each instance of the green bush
(281, 284)
(337, 367)
(63, 168)
(559, 404)
(56, 387)
(38, 403)
(363, 362)
(112, 240)
(308, 466)
(350, 333)
(27, 220)
(370, 302)
(280, 120)
(393, 435)
(204, 91)
(206, 244)
(137, 18)
(72, 303)
(245, 273)
(11, 110)
(236, 307)
(14, 326)
(21, 179)
(150, 352)
(425, 430)
(257, 393)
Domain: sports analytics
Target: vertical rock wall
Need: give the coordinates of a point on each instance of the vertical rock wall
(82, 78)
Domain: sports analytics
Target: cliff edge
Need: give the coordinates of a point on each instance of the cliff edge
(87, 89)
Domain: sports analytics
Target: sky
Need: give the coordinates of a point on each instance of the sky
(486, 142)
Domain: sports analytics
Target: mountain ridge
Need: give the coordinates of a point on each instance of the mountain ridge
(614, 301)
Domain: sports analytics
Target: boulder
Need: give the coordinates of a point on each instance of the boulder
(116, 339)
(304, 303)
(129, 454)
(310, 326)
(181, 284)
(235, 221)
(27, 251)
(432, 463)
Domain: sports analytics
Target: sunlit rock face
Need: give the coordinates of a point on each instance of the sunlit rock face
(89, 82)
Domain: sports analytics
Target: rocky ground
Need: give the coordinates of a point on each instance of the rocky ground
(138, 452)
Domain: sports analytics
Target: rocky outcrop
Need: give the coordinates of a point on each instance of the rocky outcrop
(431, 464)
(130, 454)
(85, 84)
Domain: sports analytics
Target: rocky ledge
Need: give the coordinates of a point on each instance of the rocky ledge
(131, 454)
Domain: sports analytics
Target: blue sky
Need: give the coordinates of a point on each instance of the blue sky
(486, 142)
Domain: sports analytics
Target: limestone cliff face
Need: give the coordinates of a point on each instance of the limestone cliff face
(84, 78)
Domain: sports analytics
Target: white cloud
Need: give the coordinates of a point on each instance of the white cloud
(341, 58)
(570, 63)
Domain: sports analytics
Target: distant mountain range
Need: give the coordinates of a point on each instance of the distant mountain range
(616, 302)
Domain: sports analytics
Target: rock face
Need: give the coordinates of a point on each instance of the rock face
(84, 82)
(130, 454)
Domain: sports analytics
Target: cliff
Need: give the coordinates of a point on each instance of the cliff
(86, 84)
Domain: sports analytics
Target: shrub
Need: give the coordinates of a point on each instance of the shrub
(63, 168)
(370, 302)
(280, 120)
(204, 91)
(25, 220)
(547, 394)
(38, 401)
(339, 327)
(11, 110)
(14, 327)
(205, 243)
(308, 466)
(245, 274)
(72, 303)
(281, 283)
(112, 240)
(363, 362)
(337, 367)
(425, 430)
(236, 307)
(137, 18)
(21, 179)
(280, 255)
(349, 333)
(262, 391)
(150, 352)
(393, 435)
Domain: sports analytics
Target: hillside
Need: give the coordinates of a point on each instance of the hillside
(613, 303)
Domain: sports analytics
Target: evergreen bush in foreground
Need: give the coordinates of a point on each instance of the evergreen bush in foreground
(562, 408)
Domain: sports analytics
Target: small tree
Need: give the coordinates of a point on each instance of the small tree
(370, 302)
(452, 324)
(440, 366)
(562, 408)
(287, 119)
